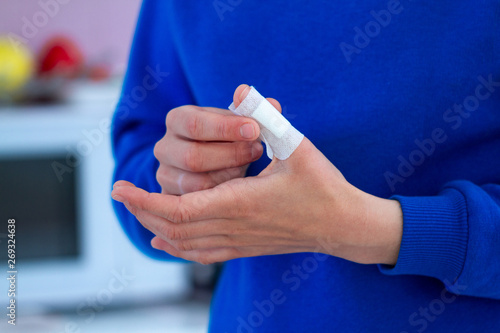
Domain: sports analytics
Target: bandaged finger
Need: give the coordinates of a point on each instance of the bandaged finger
(280, 137)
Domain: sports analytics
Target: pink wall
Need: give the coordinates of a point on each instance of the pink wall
(102, 28)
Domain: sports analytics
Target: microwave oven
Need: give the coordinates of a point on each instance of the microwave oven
(55, 183)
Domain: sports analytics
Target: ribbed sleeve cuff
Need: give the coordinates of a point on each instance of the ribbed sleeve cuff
(435, 236)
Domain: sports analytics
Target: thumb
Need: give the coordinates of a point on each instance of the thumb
(305, 156)
(303, 152)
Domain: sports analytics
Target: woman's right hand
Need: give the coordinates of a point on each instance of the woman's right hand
(204, 147)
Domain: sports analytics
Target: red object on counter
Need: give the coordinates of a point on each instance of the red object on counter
(61, 57)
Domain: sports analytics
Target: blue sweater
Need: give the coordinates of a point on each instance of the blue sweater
(403, 97)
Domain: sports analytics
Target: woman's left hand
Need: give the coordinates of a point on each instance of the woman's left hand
(301, 204)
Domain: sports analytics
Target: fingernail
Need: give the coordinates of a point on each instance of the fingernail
(256, 149)
(247, 131)
(117, 184)
(244, 93)
(117, 197)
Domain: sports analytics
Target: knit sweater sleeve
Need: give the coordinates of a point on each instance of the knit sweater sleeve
(453, 236)
(154, 84)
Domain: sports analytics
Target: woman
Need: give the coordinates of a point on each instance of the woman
(384, 219)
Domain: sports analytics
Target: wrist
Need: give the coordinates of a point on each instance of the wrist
(386, 226)
(368, 229)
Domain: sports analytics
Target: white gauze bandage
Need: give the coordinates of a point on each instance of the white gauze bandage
(280, 137)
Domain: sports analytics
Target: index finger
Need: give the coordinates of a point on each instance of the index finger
(215, 203)
(202, 124)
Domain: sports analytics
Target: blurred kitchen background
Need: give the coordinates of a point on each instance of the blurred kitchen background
(62, 64)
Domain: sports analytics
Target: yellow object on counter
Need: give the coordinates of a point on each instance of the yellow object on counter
(17, 66)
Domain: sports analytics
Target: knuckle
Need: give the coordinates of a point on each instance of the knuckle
(171, 118)
(181, 214)
(194, 127)
(170, 232)
(221, 129)
(193, 160)
(213, 179)
(177, 237)
(221, 176)
(162, 176)
(157, 149)
(200, 185)
(237, 155)
(243, 153)
(184, 245)
(243, 205)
